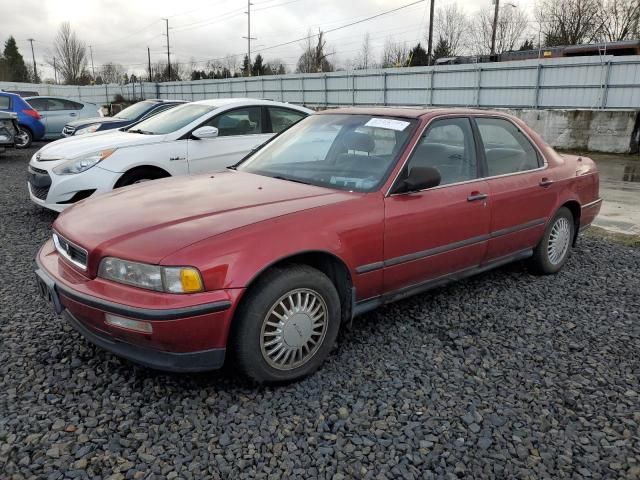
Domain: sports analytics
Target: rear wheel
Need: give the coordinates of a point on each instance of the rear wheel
(287, 325)
(24, 138)
(554, 249)
(140, 175)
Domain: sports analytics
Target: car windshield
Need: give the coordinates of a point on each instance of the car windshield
(171, 120)
(346, 152)
(134, 111)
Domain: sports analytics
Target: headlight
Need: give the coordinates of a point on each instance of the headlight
(151, 277)
(89, 129)
(79, 165)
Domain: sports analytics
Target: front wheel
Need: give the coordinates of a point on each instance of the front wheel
(24, 138)
(287, 325)
(554, 249)
(140, 175)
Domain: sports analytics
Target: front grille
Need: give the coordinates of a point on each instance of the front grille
(38, 170)
(40, 192)
(70, 251)
(39, 182)
(68, 130)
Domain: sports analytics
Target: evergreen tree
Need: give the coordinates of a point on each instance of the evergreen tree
(418, 56)
(527, 45)
(246, 67)
(442, 50)
(258, 69)
(14, 63)
(281, 70)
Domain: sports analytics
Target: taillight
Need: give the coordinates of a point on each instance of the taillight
(32, 113)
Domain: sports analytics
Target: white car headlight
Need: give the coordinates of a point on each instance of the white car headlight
(79, 165)
(151, 277)
(89, 129)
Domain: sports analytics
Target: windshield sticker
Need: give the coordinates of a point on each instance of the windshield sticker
(387, 123)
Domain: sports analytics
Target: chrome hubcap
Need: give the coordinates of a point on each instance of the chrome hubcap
(294, 329)
(22, 138)
(559, 240)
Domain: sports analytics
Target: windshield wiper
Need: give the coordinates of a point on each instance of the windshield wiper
(279, 177)
(137, 130)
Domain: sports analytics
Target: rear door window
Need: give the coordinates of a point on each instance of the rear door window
(283, 118)
(506, 148)
(39, 104)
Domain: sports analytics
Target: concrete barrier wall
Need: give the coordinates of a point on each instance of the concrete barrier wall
(588, 130)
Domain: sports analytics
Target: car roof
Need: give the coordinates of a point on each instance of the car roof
(402, 112)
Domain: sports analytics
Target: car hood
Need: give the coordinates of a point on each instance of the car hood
(147, 222)
(73, 147)
(85, 122)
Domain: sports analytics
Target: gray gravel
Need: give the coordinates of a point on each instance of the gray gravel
(506, 375)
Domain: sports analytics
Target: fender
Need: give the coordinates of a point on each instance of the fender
(237, 257)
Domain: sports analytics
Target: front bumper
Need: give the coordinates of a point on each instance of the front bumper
(157, 359)
(57, 192)
(185, 337)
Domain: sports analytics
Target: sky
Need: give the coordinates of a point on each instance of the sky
(121, 30)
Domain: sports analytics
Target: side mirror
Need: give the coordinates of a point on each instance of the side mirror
(420, 178)
(205, 132)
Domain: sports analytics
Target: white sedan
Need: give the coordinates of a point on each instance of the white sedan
(197, 137)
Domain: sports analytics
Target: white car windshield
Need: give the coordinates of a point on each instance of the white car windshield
(171, 120)
(346, 152)
(134, 111)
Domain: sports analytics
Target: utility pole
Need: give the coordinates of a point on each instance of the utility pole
(93, 70)
(430, 43)
(495, 27)
(55, 70)
(33, 56)
(249, 37)
(149, 58)
(168, 56)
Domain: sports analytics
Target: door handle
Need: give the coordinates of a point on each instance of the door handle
(73, 114)
(475, 196)
(545, 182)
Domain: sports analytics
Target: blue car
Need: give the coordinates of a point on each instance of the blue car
(30, 126)
(126, 118)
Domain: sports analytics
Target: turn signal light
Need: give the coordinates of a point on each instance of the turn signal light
(128, 324)
(191, 281)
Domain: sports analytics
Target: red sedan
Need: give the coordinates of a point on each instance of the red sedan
(346, 211)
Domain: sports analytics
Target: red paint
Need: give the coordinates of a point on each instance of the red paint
(235, 225)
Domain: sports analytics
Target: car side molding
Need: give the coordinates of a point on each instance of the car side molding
(367, 305)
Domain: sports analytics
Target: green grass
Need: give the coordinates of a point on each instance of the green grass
(623, 238)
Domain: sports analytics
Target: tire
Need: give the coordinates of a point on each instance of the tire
(256, 341)
(24, 138)
(554, 249)
(140, 175)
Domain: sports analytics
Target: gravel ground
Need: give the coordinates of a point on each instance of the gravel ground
(506, 375)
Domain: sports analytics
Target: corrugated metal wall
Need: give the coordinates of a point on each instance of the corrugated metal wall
(604, 82)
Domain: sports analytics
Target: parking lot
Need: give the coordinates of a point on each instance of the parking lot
(505, 375)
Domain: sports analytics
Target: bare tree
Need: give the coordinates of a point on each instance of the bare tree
(569, 22)
(111, 72)
(71, 55)
(314, 59)
(619, 20)
(512, 27)
(395, 54)
(365, 58)
(231, 64)
(451, 26)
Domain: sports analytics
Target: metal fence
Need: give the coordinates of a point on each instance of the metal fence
(601, 82)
